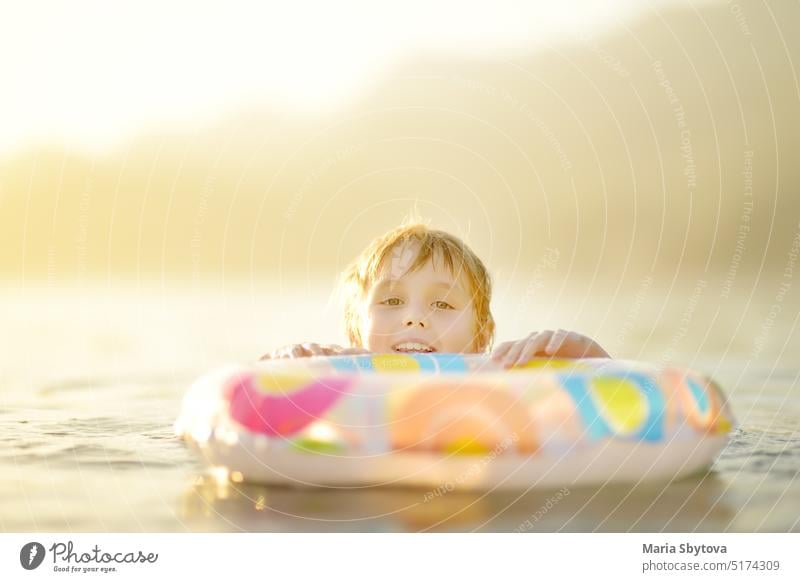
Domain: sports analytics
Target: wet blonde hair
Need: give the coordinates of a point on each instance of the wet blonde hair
(359, 277)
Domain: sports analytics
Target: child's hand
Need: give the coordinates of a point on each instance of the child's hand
(311, 349)
(561, 343)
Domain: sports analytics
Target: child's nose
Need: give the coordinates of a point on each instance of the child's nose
(414, 316)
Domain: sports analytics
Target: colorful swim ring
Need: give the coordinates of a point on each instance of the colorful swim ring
(454, 420)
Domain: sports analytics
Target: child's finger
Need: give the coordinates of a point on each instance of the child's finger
(502, 350)
(532, 347)
(586, 348)
(331, 349)
(314, 349)
(560, 337)
(516, 350)
(594, 350)
(513, 353)
(298, 351)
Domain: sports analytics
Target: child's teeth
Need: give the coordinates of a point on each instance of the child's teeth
(412, 347)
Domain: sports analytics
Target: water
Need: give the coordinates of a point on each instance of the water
(93, 379)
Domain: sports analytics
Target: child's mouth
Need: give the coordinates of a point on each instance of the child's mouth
(413, 348)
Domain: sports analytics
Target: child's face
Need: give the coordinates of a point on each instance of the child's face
(427, 310)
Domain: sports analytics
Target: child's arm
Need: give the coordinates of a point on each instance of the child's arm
(311, 349)
(560, 343)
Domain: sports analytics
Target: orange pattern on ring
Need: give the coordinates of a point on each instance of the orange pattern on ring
(458, 416)
(682, 400)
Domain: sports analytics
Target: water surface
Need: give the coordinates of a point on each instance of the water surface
(92, 382)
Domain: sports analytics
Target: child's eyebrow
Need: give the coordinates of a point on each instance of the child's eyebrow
(449, 286)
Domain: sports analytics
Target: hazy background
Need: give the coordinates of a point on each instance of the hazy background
(602, 158)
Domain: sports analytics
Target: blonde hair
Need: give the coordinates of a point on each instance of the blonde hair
(359, 277)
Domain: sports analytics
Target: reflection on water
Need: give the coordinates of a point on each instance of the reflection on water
(696, 504)
(87, 442)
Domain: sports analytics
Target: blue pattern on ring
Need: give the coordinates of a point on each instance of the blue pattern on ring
(433, 363)
(352, 363)
(451, 363)
(577, 386)
(700, 396)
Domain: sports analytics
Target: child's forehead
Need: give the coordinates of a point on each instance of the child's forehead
(402, 262)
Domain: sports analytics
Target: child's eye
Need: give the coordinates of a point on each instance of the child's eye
(391, 301)
(442, 305)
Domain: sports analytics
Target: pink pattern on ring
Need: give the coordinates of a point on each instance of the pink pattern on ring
(282, 415)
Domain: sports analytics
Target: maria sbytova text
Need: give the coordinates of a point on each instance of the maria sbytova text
(65, 553)
(683, 549)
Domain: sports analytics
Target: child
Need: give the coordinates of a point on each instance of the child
(420, 290)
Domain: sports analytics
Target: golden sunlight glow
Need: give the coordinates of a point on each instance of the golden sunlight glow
(92, 73)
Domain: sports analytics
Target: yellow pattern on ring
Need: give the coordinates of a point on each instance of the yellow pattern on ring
(723, 425)
(550, 365)
(394, 363)
(466, 446)
(621, 403)
(282, 383)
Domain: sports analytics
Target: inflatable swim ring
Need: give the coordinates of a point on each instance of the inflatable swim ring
(453, 420)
